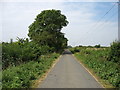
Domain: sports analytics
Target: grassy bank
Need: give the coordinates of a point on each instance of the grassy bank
(24, 75)
(96, 59)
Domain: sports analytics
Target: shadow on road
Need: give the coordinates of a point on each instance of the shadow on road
(66, 52)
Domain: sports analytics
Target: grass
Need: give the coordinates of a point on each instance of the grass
(95, 59)
(24, 75)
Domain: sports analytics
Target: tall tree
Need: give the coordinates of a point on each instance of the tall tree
(46, 29)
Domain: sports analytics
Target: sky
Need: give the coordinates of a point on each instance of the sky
(85, 24)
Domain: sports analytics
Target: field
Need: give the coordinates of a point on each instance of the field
(97, 60)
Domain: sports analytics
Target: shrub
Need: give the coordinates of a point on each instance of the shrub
(114, 54)
(97, 46)
(97, 61)
(21, 51)
(22, 76)
(74, 50)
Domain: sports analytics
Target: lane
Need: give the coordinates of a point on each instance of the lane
(68, 73)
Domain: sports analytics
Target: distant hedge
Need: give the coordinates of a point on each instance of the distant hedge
(97, 46)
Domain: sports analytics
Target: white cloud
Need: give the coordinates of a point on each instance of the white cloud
(18, 16)
(81, 22)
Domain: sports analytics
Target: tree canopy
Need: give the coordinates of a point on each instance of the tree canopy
(46, 29)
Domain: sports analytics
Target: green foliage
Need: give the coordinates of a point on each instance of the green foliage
(74, 50)
(24, 61)
(96, 59)
(23, 76)
(21, 52)
(46, 29)
(97, 46)
(46, 37)
(69, 46)
(114, 54)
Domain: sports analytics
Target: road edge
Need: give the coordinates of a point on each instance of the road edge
(44, 76)
(88, 70)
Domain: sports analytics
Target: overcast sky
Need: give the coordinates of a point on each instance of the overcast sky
(83, 17)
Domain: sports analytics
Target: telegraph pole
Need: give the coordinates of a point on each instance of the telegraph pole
(119, 21)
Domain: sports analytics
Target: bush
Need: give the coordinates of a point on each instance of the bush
(114, 54)
(22, 76)
(21, 51)
(97, 46)
(74, 50)
(97, 60)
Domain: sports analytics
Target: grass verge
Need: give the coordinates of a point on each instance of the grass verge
(23, 76)
(107, 72)
(36, 83)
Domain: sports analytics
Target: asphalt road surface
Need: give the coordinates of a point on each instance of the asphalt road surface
(68, 73)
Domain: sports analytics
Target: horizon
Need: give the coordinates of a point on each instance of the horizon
(82, 29)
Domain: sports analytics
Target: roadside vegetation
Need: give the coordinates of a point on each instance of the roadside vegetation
(26, 60)
(22, 51)
(23, 76)
(103, 61)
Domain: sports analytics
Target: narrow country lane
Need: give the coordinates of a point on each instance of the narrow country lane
(68, 73)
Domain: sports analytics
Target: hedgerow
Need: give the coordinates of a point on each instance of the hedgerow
(20, 59)
(114, 54)
(97, 60)
(23, 76)
(15, 53)
(23, 62)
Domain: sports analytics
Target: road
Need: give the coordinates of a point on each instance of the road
(68, 73)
